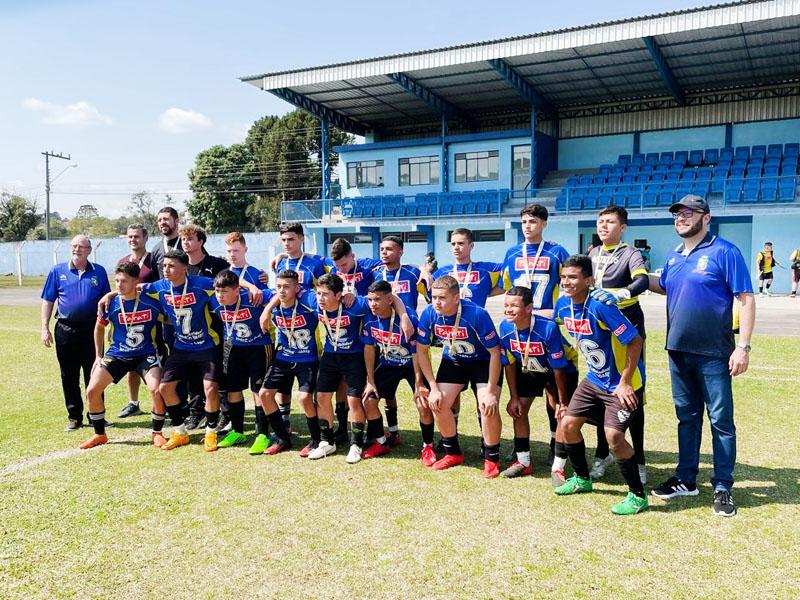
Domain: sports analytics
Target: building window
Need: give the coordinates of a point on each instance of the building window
(521, 167)
(353, 238)
(408, 237)
(419, 170)
(485, 235)
(365, 174)
(477, 166)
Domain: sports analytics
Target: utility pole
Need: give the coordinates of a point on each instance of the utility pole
(47, 156)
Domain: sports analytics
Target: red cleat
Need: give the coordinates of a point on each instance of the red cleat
(428, 456)
(98, 439)
(491, 469)
(308, 448)
(375, 450)
(279, 446)
(449, 460)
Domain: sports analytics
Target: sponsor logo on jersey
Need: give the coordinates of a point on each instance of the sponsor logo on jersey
(401, 287)
(229, 317)
(702, 264)
(384, 337)
(140, 316)
(62, 277)
(490, 335)
(299, 321)
(301, 276)
(351, 277)
(474, 277)
(620, 330)
(344, 321)
(580, 326)
(188, 299)
(446, 332)
(556, 355)
(529, 347)
(542, 264)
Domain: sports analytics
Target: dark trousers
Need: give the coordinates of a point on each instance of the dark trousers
(75, 351)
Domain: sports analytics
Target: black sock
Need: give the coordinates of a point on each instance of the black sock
(522, 444)
(313, 428)
(260, 421)
(551, 417)
(451, 445)
(602, 443)
(374, 428)
(630, 471)
(278, 426)
(760, 289)
(357, 434)
(493, 453)
(325, 431)
(98, 422)
(286, 414)
(341, 415)
(561, 450)
(577, 456)
(391, 417)
(175, 413)
(236, 411)
(157, 421)
(427, 432)
(212, 419)
(636, 429)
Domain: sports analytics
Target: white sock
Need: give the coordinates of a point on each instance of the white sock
(381, 440)
(559, 464)
(181, 429)
(524, 458)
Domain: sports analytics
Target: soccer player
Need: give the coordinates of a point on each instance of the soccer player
(132, 318)
(615, 381)
(356, 273)
(309, 267)
(471, 357)
(766, 262)
(296, 320)
(407, 282)
(534, 358)
(795, 264)
(620, 269)
(477, 280)
(383, 339)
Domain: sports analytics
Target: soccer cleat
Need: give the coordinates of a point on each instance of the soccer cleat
(279, 446)
(98, 439)
(630, 506)
(447, 461)
(574, 485)
(558, 478)
(158, 439)
(194, 421)
(723, 503)
(376, 449)
(175, 440)
(131, 409)
(308, 448)
(262, 443)
(674, 487)
(210, 441)
(73, 425)
(225, 425)
(322, 450)
(517, 469)
(491, 469)
(393, 439)
(600, 465)
(353, 455)
(233, 438)
(427, 456)
(643, 473)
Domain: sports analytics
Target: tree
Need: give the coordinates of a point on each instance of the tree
(17, 217)
(143, 210)
(92, 227)
(58, 230)
(87, 211)
(264, 214)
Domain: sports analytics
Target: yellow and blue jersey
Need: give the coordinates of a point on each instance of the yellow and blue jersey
(546, 349)
(188, 309)
(471, 340)
(309, 267)
(250, 274)
(360, 278)
(344, 326)
(602, 334)
(406, 283)
(242, 326)
(297, 339)
(542, 275)
(133, 334)
(394, 349)
(476, 280)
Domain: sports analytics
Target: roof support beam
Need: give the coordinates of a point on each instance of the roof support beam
(437, 103)
(664, 71)
(521, 85)
(321, 112)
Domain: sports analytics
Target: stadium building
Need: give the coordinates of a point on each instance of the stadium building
(636, 112)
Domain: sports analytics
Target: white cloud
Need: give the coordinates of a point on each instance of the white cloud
(178, 120)
(79, 114)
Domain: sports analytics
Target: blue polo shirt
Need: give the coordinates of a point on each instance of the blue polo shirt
(76, 295)
(700, 290)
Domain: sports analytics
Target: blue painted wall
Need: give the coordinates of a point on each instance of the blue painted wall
(784, 233)
(590, 152)
(766, 132)
(696, 138)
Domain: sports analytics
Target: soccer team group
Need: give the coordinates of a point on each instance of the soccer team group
(344, 330)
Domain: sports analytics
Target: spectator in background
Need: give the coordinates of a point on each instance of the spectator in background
(648, 260)
(795, 262)
(167, 220)
(766, 264)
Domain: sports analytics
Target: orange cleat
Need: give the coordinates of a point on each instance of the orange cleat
(175, 440)
(158, 439)
(98, 439)
(449, 460)
(210, 441)
(375, 450)
(428, 455)
(491, 469)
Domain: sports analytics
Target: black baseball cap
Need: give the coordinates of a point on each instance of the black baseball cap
(690, 201)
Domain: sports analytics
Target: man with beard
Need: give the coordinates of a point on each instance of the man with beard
(167, 221)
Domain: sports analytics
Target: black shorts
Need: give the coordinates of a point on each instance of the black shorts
(246, 364)
(467, 373)
(335, 365)
(180, 363)
(591, 402)
(281, 375)
(388, 378)
(533, 385)
(763, 276)
(118, 366)
(635, 315)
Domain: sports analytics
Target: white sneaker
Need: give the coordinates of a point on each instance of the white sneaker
(322, 450)
(643, 473)
(354, 455)
(600, 465)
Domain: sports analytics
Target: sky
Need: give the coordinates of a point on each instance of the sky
(133, 91)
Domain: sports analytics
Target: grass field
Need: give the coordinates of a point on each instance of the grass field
(11, 281)
(132, 522)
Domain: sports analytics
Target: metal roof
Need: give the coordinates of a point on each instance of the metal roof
(742, 44)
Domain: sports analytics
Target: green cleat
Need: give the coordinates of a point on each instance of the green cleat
(574, 485)
(233, 438)
(262, 443)
(630, 506)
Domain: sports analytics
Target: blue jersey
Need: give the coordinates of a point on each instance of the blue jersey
(469, 340)
(700, 290)
(406, 284)
(250, 274)
(76, 294)
(296, 329)
(188, 309)
(476, 279)
(135, 333)
(543, 346)
(345, 328)
(393, 348)
(542, 275)
(241, 327)
(309, 267)
(602, 334)
(360, 277)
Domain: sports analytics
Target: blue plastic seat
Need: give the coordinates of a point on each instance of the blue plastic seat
(711, 156)
(774, 150)
(613, 179)
(650, 199)
(470, 203)
(651, 158)
(642, 178)
(726, 154)
(603, 200)
(704, 173)
(665, 198)
(666, 158)
(769, 190)
(590, 201)
(673, 176)
(737, 172)
(661, 168)
(700, 188)
(618, 199)
(624, 159)
(791, 149)
(605, 169)
(634, 199)
(758, 152)
(561, 201)
(789, 165)
(682, 156)
(750, 194)
(696, 158)
(628, 179)
(742, 152)
(574, 202)
(585, 180)
(573, 180)
(753, 171)
(732, 195)
(676, 167)
(689, 175)
(786, 189)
